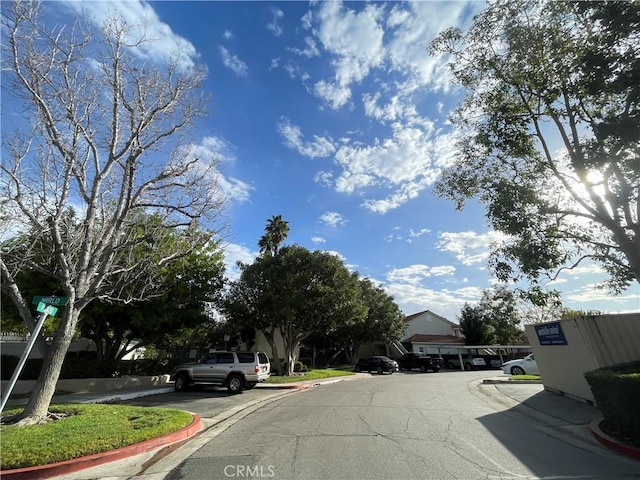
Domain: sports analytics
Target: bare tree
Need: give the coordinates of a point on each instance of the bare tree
(106, 137)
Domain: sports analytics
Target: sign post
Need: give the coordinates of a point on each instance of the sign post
(45, 309)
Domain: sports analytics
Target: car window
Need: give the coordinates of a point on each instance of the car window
(262, 357)
(245, 357)
(225, 358)
(211, 358)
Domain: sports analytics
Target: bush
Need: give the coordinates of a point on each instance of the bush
(616, 390)
(84, 366)
(299, 367)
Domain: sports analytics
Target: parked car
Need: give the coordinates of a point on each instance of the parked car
(522, 366)
(412, 360)
(235, 370)
(378, 364)
(469, 362)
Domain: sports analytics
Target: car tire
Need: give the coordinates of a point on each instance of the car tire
(181, 383)
(379, 370)
(450, 365)
(251, 385)
(423, 369)
(436, 370)
(516, 370)
(235, 384)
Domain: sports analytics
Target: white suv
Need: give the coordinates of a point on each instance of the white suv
(235, 370)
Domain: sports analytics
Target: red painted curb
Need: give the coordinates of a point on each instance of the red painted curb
(613, 443)
(76, 464)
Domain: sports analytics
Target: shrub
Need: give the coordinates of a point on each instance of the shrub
(299, 367)
(616, 390)
(84, 366)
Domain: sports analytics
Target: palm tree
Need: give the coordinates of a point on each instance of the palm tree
(276, 232)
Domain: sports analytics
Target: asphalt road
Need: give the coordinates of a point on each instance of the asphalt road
(402, 426)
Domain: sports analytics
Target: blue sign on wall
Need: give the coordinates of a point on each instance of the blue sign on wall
(551, 334)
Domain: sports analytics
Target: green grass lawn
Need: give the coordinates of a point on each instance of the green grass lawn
(316, 374)
(86, 429)
(524, 377)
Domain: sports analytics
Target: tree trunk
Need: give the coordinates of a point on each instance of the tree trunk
(268, 335)
(38, 406)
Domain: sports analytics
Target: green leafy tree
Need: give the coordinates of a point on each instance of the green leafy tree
(112, 138)
(499, 309)
(294, 293)
(550, 134)
(474, 325)
(187, 287)
(276, 232)
(384, 321)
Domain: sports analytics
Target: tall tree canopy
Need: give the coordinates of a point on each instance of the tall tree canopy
(494, 320)
(474, 325)
(294, 293)
(550, 130)
(499, 307)
(104, 128)
(275, 232)
(384, 321)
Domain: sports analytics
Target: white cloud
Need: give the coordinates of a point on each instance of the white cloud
(411, 26)
(419, 233)
(235, 189)
(227, 35)
(334, 94)
(214, 151)
(161, 43)
(318, 240)
(234, 253)
(414, 274)
(443, 270)
(413, 297)
(594, 293)
(324, 178)
(233, 62)
(332, 219)
(273, 25)
(470, 247)
(319, 147)
(310, 50)
(355, 39)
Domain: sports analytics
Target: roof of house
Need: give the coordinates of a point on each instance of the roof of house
(409, 318)
(439, 339)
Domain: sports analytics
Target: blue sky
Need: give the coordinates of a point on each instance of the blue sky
(334, 116)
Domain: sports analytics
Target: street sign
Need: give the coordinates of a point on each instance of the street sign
(550, 334)
(47, 309)
(50, 300)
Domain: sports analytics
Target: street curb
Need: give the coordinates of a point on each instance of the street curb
(495, 381)
(613, 443)
(81, 463)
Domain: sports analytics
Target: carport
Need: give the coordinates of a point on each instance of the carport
(465, 350)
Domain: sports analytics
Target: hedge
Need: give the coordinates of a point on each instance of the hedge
(87, 367)
(616, 390)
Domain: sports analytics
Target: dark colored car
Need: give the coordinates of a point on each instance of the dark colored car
(378, 364)
(412, 360)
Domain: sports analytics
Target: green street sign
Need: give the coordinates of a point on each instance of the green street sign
(47, 309)
(51, 300)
